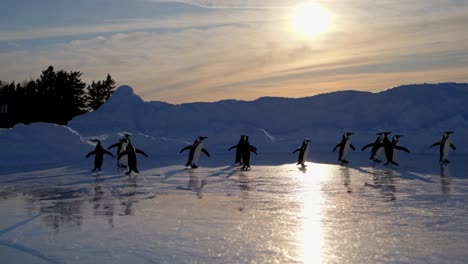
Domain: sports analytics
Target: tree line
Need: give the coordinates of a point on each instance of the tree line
(55, 97)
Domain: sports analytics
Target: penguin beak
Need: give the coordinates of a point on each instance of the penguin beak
(203, 138)
(449, 132)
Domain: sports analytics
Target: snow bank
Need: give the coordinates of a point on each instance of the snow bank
(41, 143)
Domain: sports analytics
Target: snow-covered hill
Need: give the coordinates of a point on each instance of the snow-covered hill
(420, 112)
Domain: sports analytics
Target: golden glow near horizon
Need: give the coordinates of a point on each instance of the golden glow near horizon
(311, 19)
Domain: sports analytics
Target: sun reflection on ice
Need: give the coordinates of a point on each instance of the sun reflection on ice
(310, 236)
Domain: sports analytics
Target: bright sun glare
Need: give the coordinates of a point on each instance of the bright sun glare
(311, 19)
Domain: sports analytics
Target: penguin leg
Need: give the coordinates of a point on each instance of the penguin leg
(395, 163)
(194, 166)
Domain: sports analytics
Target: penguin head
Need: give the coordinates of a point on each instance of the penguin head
(397, 136)
(306, 140)
(387, 133)
(347, 134)
(96, 141)
(380, 136)
(200, 138)
(447, 134)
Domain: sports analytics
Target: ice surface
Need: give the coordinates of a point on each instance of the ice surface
(278, 213)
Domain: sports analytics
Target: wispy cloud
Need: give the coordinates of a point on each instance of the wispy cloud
(248, 53)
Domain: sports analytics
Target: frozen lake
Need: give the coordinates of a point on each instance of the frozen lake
(276, 212)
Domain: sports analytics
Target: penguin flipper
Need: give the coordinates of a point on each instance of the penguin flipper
(121, 154)
(108, 153)
(339, 144)
(298, 149)
(186, 148)
(435, 144)
(91, 153)
(367, 146)
(231, 148)
(114, 145)
(253, 149)
(402, 148)
(206, 152)
(141, 152)
(352, 147)
(453, 146)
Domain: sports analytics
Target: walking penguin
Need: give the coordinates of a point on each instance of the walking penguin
(444, 147)
(131, 152)
(377, 147)
(303, 152)
(246, 148)
(238, 148)
(122, 162)
(344, 146)
(391, 156)
(98, 153)
(195, 149)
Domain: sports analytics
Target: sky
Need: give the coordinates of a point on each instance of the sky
(210, 50)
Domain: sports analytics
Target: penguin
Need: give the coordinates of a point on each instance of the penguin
(98, 153)
(387, 145)
(303, 152)
(131, 152)
(195, 151)
(344, 145)
(376, 147)
(393, 148)
(122, 162)
(444, 147)
(246, 148)
(238, 150)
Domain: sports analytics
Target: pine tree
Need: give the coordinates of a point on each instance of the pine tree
(99, 92)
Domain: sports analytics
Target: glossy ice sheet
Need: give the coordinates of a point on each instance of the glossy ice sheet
(280, 214)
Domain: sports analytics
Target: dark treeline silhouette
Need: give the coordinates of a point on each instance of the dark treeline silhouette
(55, 97)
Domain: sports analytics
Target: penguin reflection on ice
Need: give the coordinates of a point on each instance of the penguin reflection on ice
(98, 153)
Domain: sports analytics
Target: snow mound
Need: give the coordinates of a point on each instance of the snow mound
(41, 143)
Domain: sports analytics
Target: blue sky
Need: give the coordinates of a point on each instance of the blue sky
(184, 51)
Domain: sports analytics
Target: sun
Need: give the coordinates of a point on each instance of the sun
(311, 19)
